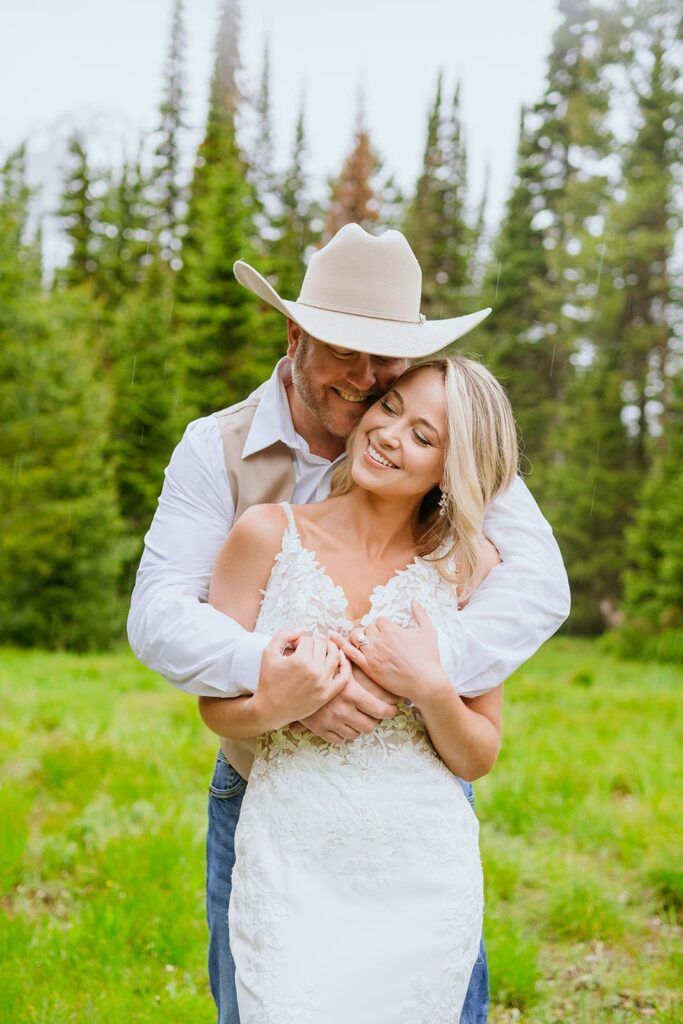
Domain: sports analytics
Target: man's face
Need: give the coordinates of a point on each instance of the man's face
(337, 385)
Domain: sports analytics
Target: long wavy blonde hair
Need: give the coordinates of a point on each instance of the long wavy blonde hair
(480, 461)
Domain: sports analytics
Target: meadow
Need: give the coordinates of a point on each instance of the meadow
(104, 772)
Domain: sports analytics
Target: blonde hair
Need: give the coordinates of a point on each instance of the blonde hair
(480, 461)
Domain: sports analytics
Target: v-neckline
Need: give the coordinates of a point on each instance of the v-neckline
(354, 623)
(322, 571)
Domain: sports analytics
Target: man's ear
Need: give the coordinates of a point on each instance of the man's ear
(294, 335)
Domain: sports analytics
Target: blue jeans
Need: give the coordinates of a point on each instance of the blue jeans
(225, 800)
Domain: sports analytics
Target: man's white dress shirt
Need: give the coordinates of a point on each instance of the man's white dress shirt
(174, 631)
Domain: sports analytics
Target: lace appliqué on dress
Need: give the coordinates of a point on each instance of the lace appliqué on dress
(335, 840)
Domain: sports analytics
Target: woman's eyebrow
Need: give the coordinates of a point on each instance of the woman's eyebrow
(395, 391)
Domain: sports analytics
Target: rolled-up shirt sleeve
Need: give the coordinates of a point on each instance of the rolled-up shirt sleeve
(171, 628)
(520, 604)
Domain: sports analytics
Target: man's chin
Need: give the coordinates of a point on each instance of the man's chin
(340, 424)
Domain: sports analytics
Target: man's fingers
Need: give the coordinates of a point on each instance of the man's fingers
(331, 737)
(347, 732)
(286, 638)
(359, 723)
(368, 704)
(375, 689)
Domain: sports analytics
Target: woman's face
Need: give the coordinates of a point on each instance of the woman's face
(400, 443)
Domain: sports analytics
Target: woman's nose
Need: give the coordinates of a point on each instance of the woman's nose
(388, 434)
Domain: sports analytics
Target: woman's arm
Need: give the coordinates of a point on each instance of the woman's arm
(466, 734)
(290, 687)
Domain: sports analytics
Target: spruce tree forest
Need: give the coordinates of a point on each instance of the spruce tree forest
(143, 328)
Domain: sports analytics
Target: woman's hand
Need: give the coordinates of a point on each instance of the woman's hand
(295, 685)
(404, 661)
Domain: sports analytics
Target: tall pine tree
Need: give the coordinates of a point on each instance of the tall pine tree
(515, 341)
(216, 316)
(146, 414)
(653, 605)
(167, 177)
(296, 219)
(436, 222)
(572, 441)
(125, 224)
(78, 215)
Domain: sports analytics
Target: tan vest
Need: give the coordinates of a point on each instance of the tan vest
(264, 477)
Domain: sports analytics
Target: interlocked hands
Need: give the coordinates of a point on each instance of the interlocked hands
(332, 686)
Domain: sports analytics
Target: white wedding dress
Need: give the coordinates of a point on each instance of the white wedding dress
(357, 887)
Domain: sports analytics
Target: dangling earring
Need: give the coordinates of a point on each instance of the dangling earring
(443, 503)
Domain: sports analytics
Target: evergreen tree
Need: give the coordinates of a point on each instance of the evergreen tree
(296, 221)
(125, 226)
(262, 158)
(78, 214)
(593, 486)
(517, 342)
(217, 320)
(545, 269)
(617, 339)
(638, 252)
(267, 214)
(653, 603)
(436, 218)
(61, 534)
(170, 193)
(644, 287)
(146, 417)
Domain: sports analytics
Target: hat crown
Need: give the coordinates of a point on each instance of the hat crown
(364, 274)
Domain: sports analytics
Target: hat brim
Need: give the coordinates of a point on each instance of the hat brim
(379, 337)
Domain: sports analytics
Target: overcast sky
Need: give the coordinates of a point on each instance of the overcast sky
(99, 63)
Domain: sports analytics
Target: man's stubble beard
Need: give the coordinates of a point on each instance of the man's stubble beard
(314, 403)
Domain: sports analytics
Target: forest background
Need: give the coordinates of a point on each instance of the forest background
(107, 354)
(142, 327)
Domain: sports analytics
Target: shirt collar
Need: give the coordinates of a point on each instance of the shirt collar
(272, 420)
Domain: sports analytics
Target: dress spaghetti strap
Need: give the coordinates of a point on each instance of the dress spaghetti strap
(287, 509)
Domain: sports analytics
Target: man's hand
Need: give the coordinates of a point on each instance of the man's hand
(294, 685)
(356, 709)
(402, 660)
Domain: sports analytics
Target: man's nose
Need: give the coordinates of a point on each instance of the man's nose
(362, 374)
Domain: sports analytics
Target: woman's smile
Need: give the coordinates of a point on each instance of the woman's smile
(374, 457)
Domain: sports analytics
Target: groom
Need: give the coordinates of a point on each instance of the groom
(350, 334)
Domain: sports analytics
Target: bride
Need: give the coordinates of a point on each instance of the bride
(357, 888)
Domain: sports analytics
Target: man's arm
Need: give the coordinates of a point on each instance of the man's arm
(519, 605)
(171, 628)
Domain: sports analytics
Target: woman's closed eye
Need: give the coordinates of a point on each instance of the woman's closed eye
(393, 411)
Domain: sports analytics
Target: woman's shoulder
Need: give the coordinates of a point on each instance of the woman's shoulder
(261, 525)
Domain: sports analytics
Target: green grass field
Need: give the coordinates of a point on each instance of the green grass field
(102, 813)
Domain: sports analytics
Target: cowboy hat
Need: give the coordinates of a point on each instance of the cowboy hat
(362, 292)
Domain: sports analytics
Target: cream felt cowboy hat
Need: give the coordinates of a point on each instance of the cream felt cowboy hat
(362, 292)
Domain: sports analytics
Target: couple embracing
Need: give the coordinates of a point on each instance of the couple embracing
(349, 557)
